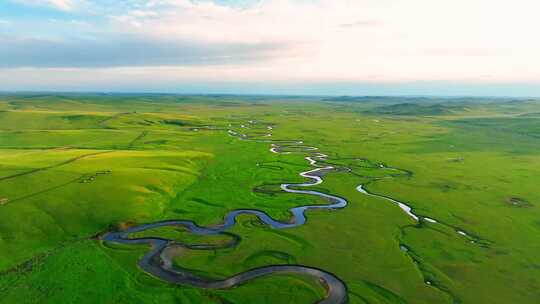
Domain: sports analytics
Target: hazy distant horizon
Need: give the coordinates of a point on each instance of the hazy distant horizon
(373, 90)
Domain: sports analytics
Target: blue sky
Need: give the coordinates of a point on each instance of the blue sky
(347, 47)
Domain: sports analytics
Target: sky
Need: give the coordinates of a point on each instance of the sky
(315, 47)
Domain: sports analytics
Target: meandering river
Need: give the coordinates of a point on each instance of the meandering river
(158, 261)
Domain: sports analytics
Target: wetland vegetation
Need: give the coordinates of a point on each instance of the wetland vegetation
(412, 200)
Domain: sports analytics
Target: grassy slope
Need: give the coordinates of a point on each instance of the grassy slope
(465, 170)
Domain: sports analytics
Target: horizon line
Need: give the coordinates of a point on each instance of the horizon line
(98, 92)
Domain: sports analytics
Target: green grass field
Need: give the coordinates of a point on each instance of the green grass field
(73, 167)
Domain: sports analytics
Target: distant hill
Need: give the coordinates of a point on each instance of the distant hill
(378, 99)
(417, 109)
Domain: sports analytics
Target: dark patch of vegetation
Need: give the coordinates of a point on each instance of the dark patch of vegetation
(524, 125)
(156, 142)
(180, 123)
(518, 202)
(410, 109)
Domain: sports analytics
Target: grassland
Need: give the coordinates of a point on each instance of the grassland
(75, 166)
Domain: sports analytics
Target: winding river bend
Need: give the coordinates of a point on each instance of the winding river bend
(158, 261)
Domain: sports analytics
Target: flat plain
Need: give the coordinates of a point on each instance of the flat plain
(74, 167)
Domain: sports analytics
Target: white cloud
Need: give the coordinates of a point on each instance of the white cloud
(323, 40)
(357, 39)
(64, 5)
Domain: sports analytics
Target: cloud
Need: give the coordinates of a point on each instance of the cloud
(361, 23)
(158, 33)
(128, 51)
(64, 5)
(282, 40)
